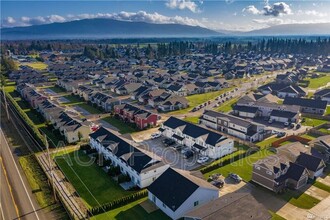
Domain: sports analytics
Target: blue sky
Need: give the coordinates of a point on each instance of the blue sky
(217, 15)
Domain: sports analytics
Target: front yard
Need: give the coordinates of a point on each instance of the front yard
(312, 122)
(299, 199)
(93, 184)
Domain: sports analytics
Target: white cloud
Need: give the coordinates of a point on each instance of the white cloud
(275, 10)
(279, 21)
(183, 4)
(251, 9)
(141, 16)
(312, 13)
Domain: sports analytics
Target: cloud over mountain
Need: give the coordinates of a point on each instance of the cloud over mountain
(142, 16)
(275, 10)
(183, 4)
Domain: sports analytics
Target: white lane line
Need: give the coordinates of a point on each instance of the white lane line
(19, 174)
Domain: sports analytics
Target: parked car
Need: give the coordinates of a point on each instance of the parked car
(177, 147)
(184, 150)
(274, 132)
(214, 176)
(270, 121)
(169, 142)
(218, 183)
(202, 159)
(286, 124)
(280, 134)
(156, 135)
(298, 126)
(292, 125)
(235, 177)
(188, 154)
(195, 109)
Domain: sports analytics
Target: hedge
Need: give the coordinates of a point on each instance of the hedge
(215, 166)
(27, 120)
(118, 202)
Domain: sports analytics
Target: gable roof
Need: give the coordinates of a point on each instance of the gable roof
(174, 187)
(195, 131)
(310, 103)
(309, 161)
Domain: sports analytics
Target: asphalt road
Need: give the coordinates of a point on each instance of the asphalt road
(17, 201)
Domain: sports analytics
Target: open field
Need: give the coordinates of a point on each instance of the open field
(37, 65)
(131, 211)
(122, 127)
(316, 83)
(242, 167)
(195, 100)
(83, 173)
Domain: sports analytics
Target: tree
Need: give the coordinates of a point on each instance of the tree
(7, 65)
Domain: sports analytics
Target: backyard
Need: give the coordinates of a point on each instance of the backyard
(57, 89)
(37, 65)
(89, 108)
(82, 174)
(120, 125)
(242, 167)
(131, 211)
(312, 122)
(267, 142)
(315, 83)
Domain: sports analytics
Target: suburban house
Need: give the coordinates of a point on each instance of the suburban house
(323, 95)
(322, 144)
(284, 116)
(199, 139)
(291, 166)
(133, 114)
(142, 168)
(176, 192)
(230, 206)
(106, 102)
(282, 90)
(233, 125)
(312, 106)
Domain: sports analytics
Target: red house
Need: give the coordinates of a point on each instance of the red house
(132, 114)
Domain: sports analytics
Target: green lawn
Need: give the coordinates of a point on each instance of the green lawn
(327, 111)
(93, 185)
(89, 108)
(318, 82)
(285, 142)
(301, 200)
(322, 186)
(242, 167)
(53, 136)
(131, 211)
(267, 142)
(196, 100)
(193, 120)
(309, 136)
(35, 117)
(23, 104)
(275, 216)
(73, 99)
(57, 89)
(227, 106)
(37, 65)
(325, 130)
(122, 127)
(312, 122)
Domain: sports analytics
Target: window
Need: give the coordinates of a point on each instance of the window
(154, 198)
(196, 203)
(164, 205)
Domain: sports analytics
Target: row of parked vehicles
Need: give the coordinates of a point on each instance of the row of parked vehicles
(217, 180)
(288, 124)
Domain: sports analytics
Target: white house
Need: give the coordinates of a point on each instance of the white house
(199, 139)
(142, 168)
(177, 192)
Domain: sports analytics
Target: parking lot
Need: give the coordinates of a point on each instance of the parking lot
(169, 155)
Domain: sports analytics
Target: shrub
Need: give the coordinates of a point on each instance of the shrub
(122, 178)
(114, 171)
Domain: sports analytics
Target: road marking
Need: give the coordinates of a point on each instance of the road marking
(10, 189)
(19, 174)
(3, 216)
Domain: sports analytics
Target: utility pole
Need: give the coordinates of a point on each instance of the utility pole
(50, 168)
(6, 105)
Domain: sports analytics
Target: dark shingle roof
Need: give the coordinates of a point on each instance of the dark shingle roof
(311, 103)
(309, 161)
(283, 114)
(173, 188)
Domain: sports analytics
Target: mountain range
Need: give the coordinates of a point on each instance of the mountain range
(107, 28)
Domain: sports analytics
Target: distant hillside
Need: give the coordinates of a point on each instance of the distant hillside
(103, 28)
(293, 29)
